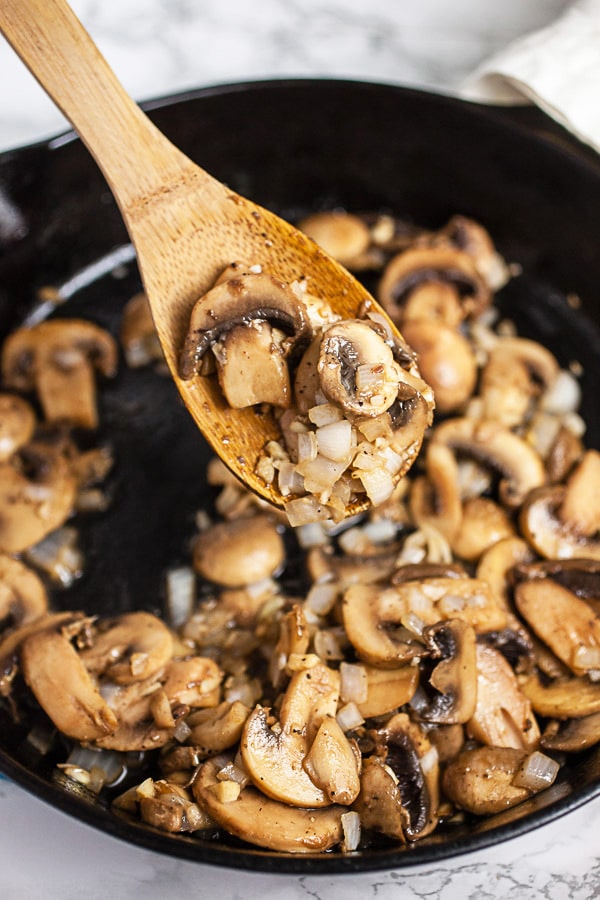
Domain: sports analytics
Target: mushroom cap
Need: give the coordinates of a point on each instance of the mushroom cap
(480, 780)
(342, 235)
(17, 423)
(425, 265)
(239, 553)
(446, 360)
(27, 351)
(552, 537)
(266, 822)
(238, 301)
(37, 494)
(23, 596)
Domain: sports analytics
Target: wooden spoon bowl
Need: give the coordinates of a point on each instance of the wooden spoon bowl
(185, 225)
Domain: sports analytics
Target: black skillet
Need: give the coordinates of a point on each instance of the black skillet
(293, 146)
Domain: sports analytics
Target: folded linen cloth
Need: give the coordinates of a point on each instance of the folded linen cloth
(557, 68)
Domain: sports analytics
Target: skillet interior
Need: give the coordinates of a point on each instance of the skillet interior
(294, 146)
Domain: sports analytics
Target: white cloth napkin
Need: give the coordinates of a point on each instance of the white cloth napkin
(557, 68)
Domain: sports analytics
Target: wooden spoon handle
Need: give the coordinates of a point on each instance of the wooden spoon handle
(135, 157)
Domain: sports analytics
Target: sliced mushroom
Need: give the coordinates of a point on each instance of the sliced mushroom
(240, 552)
(332, 763)
(140, 724)
(12, 639)
(454, 677)
(342, 235)
(37, 495)
(138, 334)
(421, 269)
(573, 735)
(61, 684)
(252, 366)
(242, 300)
(357, 369)
(57, 359)
(132, 647)
(563, 621)
(581, 576)
(480, 780)
(518, 464)
(483, 524)
(379, 802)
(563, 521)
(517, 371)
(171, 809)
(503, 715)
(562, 699)
(435, 497)
(23, 596)
(17, 423)
(274, 757)
(254, 818)
(498, 562)
(446, 360)
(376, 618)
(468, 235)
(411, 789)
(192, 682)
(388, 690)
(217, 728)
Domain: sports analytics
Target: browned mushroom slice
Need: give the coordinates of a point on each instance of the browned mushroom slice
(129, 648)
(518, 464)
(446, 360)
(454, 677)
(379, 621)
(581, 576)
(37, 495)
(503, 715)
(252, 366)
(57, 359)
(516, 373)
(242, 300)
(274, 757)
(10, 644)
(470, 236)
(388, 689)
(342, 235)
(563, 521)
(422, 571)
(138, 335)
(357, 369)
(23, 596)
(405, 750)
(17, 423)
(483, 524)
(61, 684)
(379, 802)
(498, 562)
(265, 822)
(573, 735)
(217, 728)
(481, 780)
(239, 553)
(447, 271)
(435, 497)
(137, 729)
(563, 621)
(562, 699)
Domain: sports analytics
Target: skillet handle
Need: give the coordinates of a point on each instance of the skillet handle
(136, 159)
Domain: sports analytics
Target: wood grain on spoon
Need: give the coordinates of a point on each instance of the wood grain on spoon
(184, 224)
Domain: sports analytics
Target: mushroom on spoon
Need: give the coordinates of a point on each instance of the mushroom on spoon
(187, 228)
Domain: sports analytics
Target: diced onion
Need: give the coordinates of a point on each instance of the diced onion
(586, 657)
(378, 484)
(352, 831)
(334, 440)
(349, 717)
(321, 597)
(326, 645)
(181, 594)
(536, 772)
(353, 683)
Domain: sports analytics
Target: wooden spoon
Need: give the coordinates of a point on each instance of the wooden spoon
(185, 225)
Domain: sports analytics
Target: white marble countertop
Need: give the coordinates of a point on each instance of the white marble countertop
(157, 47)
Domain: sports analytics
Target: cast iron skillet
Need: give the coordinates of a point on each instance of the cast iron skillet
(293, 146)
